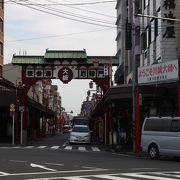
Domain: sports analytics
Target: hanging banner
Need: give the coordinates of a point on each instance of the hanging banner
(158, 73)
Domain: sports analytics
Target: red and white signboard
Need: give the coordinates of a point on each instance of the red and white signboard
(158, 73)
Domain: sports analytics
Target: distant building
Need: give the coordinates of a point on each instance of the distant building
(1, 35)
(126, 22)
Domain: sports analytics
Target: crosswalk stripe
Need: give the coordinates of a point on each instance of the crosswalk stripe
(76, 178)
(111, 177)
(82, 148)
(135, 175)
(41, 147)
(54, 147)
(68, 147)
(28, 147)
(169, 174)
(95, 149)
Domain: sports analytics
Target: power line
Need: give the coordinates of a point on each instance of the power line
(54, 36)
(70, 18)
(86, 10)
(72, 4)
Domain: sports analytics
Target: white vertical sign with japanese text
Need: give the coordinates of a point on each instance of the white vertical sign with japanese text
(157, 73)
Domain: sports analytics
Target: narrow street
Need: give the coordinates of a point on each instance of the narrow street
(54, 158)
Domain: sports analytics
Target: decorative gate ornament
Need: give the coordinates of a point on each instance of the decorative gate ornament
(65, 74)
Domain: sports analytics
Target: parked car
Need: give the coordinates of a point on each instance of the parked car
(66, 128)
(80, 134)
(161, 136)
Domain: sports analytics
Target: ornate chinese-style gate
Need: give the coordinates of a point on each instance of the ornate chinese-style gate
(63, 65)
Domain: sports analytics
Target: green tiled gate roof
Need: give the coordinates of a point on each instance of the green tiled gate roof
(28, 59)
(61, 55)
(56, 54)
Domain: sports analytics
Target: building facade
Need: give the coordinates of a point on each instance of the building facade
(128, 40)
(160, 38)
(1, 35)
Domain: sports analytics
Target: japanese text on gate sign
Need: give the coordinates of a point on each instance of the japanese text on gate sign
(158, 72)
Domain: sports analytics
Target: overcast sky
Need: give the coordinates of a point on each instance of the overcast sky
(32, 26)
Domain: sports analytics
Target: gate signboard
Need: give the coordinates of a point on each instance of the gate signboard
(65, 74)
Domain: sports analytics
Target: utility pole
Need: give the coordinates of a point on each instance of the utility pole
(133, 61)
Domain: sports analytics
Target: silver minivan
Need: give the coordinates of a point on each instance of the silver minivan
(161, 136)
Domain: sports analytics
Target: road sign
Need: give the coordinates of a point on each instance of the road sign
(21, 108)
(12, 108)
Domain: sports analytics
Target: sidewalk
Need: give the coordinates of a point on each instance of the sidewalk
(119, 150)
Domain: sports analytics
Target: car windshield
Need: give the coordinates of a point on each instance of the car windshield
(80, 129)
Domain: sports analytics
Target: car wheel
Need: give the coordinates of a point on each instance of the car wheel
(153, 151)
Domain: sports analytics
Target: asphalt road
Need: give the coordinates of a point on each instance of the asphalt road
(50, 158)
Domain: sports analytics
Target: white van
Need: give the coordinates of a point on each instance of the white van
(161, 136)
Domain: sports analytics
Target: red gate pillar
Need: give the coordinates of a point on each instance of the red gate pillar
(178, 101)
(138, 126)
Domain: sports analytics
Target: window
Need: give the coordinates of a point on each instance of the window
(152, 30)
(156, 28)
(146, 3)
(175, 126)
(143, 41)
(158, 125)
(148, 36)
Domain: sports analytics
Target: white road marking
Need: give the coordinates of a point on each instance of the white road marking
(4, 173)
(55, 147)
(76, 178)
(18, 161)
(54, 164)
(111, 177)
(95, 149)
(89, 167)
(42, 167)
(135, 175)
(82, 148)
(169, 174)
(56, 172)
(17, 147)
(68, 147)
(41, 147)
(28, 147)
(140, 169)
